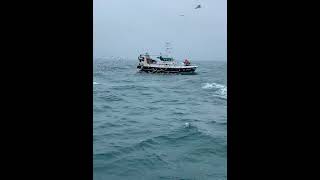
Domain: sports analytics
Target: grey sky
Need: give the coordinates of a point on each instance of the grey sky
(127, 28)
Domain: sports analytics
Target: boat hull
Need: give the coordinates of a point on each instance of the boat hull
(186, 69)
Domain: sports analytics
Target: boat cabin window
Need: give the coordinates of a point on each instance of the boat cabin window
(165, 59)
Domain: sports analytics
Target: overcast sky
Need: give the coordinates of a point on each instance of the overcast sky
(127, 28)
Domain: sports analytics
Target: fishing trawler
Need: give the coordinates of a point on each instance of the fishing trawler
(164, 65)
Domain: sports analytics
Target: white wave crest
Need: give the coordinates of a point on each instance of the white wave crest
(95, 83)
(220, 90)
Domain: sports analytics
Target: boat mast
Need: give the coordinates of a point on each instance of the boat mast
(168, 48)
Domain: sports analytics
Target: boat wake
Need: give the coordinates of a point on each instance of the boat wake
(220, 90)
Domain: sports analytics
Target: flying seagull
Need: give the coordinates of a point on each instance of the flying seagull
(199, 6)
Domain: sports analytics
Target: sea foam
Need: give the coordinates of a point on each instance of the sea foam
(220, 90)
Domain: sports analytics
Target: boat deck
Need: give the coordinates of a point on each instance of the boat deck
(168, 66)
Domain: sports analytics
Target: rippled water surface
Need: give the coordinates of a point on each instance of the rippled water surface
(159, 126)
